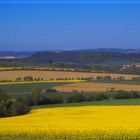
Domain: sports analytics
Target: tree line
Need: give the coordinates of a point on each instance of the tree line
(19, 106)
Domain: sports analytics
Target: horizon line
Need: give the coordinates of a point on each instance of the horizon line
(69, 49)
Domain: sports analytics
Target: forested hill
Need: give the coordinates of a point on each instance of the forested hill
(86, 57)
(86, 60)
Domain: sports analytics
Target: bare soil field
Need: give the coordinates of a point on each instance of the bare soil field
(89, 87)
(48, 75)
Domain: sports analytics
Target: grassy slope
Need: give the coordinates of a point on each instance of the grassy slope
(121, 102)
(132, 82)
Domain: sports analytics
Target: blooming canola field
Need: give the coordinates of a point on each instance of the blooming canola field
(83, 122)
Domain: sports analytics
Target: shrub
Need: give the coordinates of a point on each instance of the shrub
(5, 103)
(35, 98)
(28, 100)
(120, 78)
(76, 98)
(18, 79)
(50, 100)
(135, 94)
(99, 78)
(28, 78)
(123, 95)
(107, 78)
(98, 97)
(18, 107)
(75, 91)
(42, 100)
(111, 89)
(4, 108)
(11, 108)
(36, 95)
(136, 78)
(51, 90)
(54, 100)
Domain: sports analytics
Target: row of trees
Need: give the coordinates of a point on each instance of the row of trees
(135, 78)
(79, 97)
(36, 98)
(28, 78)
(108, 77)
(116, 78)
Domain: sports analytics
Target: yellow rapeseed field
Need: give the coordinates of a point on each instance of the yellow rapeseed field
(47, 81)
(86, 122)
(6, 68)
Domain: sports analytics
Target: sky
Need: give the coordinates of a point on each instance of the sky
(70, 1)
(48, 25)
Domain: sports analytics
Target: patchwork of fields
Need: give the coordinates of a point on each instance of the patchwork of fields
(109, 119)
(83, 122)
(127, 84)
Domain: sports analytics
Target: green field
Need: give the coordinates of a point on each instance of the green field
(121, 102)
(132, 82)
(23, 88)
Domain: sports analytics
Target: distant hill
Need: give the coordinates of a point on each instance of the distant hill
(118, 50)
(86, 57)
(103, 60)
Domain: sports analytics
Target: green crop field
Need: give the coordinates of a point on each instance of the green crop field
(26, 88)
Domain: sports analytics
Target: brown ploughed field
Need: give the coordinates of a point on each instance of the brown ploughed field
(90, 87)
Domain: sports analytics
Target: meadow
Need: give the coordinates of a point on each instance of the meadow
(76, 121)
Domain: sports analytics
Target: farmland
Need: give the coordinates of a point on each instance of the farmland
(69, 70)
(91, 87)
(20, 87)
(50, 79)
(107, 119)
(76, 122)
(48, 75)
